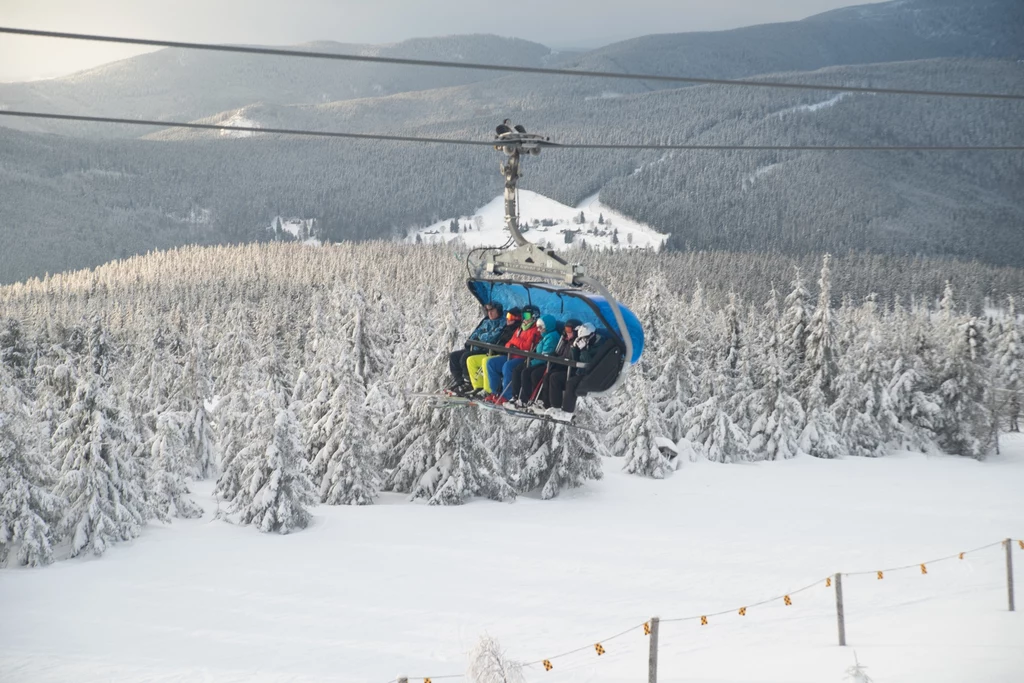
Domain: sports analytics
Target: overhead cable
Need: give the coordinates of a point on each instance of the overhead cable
(489, 143)
(313, 54)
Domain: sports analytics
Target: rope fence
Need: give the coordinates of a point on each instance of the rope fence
(650, 628)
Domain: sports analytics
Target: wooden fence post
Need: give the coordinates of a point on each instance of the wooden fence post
(839, 609)
(652, 659)
(1009, 570)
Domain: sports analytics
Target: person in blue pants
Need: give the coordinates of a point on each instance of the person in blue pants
(500, 368)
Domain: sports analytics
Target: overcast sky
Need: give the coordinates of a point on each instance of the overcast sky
(556, 23)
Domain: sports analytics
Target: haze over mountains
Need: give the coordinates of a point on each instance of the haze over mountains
(99, 192)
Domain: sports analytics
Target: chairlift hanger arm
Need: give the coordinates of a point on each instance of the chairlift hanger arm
(525, 258)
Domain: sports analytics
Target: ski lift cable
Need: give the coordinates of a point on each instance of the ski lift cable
(313, 54)
(489, 143)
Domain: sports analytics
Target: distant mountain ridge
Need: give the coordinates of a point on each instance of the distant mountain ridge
(76, 201)
(176, 84)
(183, 84)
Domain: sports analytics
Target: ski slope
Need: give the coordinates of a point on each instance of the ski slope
(368, 594)
(486, 227)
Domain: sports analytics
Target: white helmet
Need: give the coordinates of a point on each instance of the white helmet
(585, 330)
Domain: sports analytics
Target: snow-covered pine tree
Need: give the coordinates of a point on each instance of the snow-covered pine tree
(913, 387)
(171, 464)
(820, 435)
(27, 507)
(966, 421)
(779, 418)
(712, 433)
(412, 463)
(55, 377)
(234, 360)
(99, 477)
(577, 456)
(637, 440)
(793, 327)
(666, 365)
(274, 485)
(863, 408)
(14, 352)
(463, 467)
(351, 475)
(1010, 366)
(820, 367)
(190, 392)
(708, 426)
(549, 457)
(317, 378)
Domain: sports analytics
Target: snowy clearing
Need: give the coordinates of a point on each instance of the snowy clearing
(370, 593)
(811, 108)
(486, 227)
(239, 120)
(301, 229)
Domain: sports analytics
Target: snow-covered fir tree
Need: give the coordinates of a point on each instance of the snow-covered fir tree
(637, 440)
(913, 387)
(554, 457)
(235, 356)
(14, 351)
(1010, 366)
(171, 465)
(967, 427)
(463, 467)
(351, 475)
(793, 327)
(28, 509)
(100, 479)
(190, 394)
(779, 418)
(863, 407)
(274, 488)
(820, 366)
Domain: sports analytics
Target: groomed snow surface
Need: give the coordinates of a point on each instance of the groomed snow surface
(371, 593)
(486, 227)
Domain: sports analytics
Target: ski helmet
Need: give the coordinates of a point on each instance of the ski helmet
(585, 330)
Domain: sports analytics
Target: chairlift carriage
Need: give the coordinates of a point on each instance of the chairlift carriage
(542, 278)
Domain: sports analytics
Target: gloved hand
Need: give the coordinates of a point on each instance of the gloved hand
(580, 343)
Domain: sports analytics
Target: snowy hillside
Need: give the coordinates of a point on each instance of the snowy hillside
(546, 221)
(367, 594)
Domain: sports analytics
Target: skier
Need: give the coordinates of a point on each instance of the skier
(478, 379)
(499, 369)
(564, 350)
(488, 330)
(565, 387)
(527, 375)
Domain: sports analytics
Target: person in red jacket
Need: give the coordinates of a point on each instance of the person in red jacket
(500, 368)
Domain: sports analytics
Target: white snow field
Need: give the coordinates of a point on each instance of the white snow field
(486, 227)
(371, 593)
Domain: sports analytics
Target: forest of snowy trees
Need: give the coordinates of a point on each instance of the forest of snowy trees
(285, 374)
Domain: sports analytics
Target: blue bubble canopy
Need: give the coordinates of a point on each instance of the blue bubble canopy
(563, 303)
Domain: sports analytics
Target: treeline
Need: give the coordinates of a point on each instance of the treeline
(288, 374)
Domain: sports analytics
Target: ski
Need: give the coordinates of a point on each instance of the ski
(451, 400)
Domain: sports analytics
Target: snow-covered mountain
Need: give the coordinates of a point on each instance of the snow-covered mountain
(545, 221)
